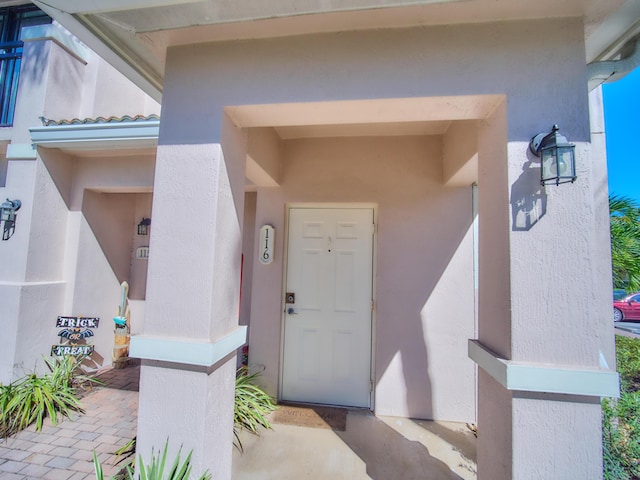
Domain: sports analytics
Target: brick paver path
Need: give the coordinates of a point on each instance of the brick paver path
(65, 452)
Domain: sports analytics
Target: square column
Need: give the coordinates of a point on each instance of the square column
(191, 330)
(542, 371)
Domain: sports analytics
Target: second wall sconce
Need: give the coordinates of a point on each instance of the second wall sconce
(143, 226)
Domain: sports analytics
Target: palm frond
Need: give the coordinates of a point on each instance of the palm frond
(624, 215)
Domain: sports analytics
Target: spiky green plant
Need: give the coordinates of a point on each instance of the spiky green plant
(250, 409)
(67, 370)
(32, 398)
(155, 470)
(6, 394)
(251, 406)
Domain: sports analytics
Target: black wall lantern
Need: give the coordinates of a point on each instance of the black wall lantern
(557, 157)
(143, 226)
(8, 211)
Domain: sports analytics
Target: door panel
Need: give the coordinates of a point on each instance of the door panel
(327, 334)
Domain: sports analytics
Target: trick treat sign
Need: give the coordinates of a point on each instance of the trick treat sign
(75, 330)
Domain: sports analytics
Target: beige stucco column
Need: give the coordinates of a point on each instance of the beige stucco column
(191, 326)
(544, 349)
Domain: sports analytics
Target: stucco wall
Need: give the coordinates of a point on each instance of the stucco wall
(505, 58)
(424, 282)
(53, 247)
(33, 286)
(530, 270)
(79, 241)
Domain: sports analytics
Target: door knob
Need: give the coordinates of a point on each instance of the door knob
(291, 311)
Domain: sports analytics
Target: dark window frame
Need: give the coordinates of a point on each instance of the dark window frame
(12, 20)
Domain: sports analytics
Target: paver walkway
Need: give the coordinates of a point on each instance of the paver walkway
(65, 452)
(369, 448)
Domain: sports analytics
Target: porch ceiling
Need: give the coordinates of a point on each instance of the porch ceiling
(398, 116)
(382, 117)
(134, 34)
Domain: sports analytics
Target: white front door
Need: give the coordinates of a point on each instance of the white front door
(327, 329)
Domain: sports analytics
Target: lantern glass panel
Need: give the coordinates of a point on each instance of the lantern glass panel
(8, 215)
(549, 165)
(566, 164)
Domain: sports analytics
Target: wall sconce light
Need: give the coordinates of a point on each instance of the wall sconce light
(557, 157)
(8, 211)
(143, 226)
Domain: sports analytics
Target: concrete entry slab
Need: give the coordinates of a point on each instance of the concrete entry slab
(370, 448)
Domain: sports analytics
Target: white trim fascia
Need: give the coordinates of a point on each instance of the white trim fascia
(87, 135)
(32, 284)
(55, 33)
(21, 151)
(192, 352)
(532, 377)
(102, 6)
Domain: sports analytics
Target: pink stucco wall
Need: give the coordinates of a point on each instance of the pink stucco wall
(424, 283)
(104, 197)
(55, 262)
(424, 255)
(538, 68)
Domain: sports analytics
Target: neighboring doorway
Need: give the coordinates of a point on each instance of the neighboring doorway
(328, 314)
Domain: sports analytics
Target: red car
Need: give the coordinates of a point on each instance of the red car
(627, 308)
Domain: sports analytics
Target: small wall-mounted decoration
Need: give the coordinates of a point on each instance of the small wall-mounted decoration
(265, 248)
(75, 330)
(142, 253)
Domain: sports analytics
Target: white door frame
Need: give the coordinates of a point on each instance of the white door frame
(374, 266)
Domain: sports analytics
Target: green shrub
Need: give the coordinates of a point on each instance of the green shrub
(6, 394)
(621, 417)
(156, 469)
(67, 370)
(628, 362)
(251, 406)
(32, 398)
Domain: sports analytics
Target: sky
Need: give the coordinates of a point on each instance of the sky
(622, 126)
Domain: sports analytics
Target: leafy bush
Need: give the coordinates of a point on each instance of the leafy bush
(7, 392)
(156, 469)
(628, 362)
(251, 406)
(621, 417)
(32, 398)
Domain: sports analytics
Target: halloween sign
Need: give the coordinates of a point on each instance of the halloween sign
(76, 331)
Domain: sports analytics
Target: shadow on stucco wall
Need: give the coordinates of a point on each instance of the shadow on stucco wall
(528, 198)
(434, 289)
(111, 218)
(34, 63)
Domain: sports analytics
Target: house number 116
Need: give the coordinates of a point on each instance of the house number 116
(265, 249)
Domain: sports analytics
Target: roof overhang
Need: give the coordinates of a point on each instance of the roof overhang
(98, 136)
(134, 35)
